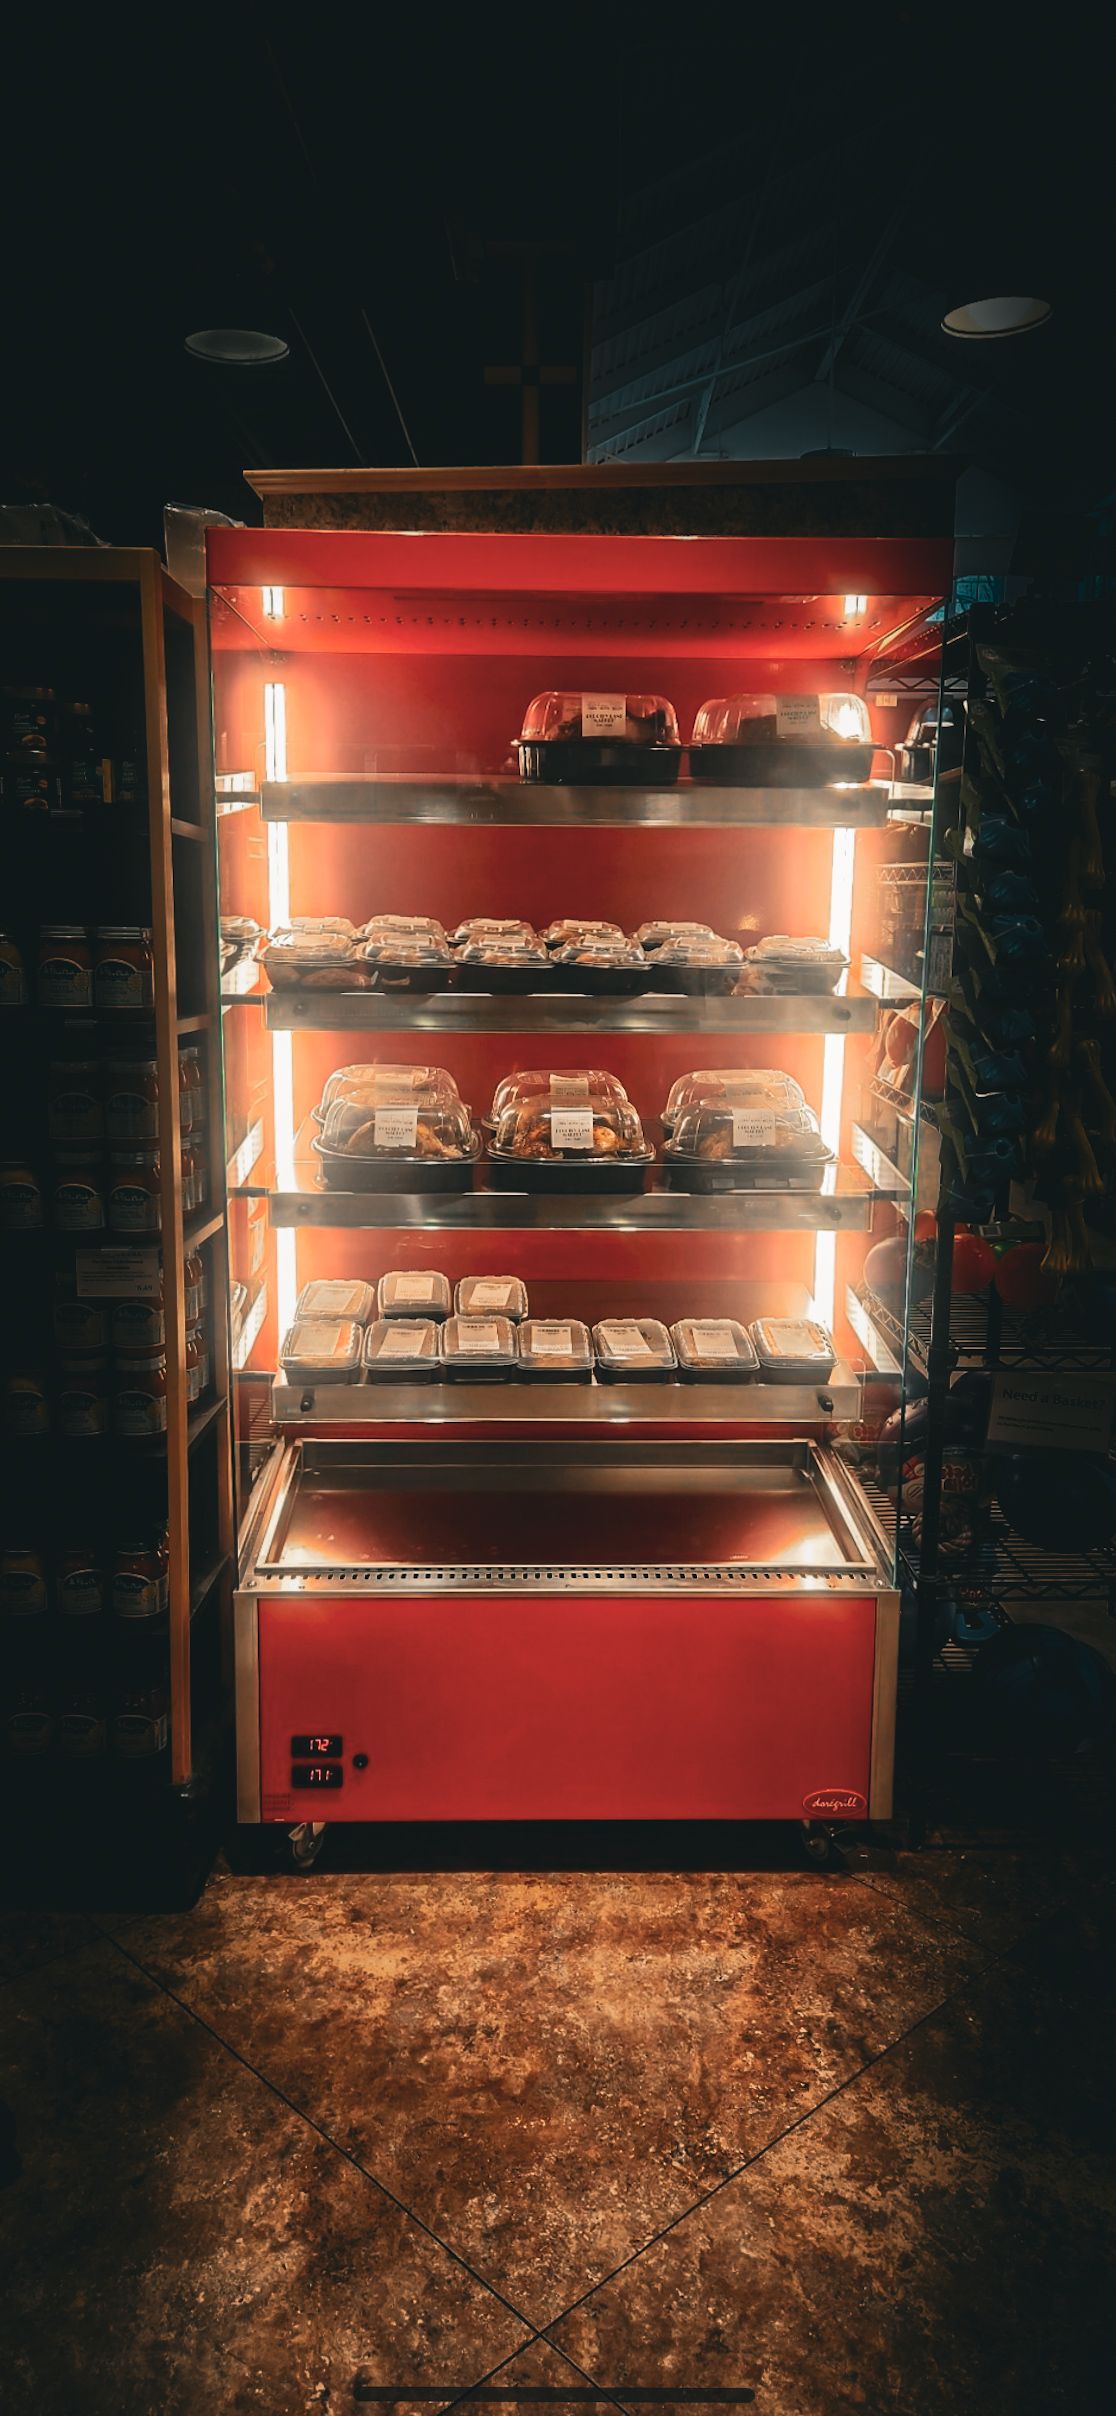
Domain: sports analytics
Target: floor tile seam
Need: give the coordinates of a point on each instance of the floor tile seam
(994, 1955)
(788, 2131)
(337, 2146)
(938, 1924)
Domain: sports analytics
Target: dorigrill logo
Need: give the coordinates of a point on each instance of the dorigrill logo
(835, 1803)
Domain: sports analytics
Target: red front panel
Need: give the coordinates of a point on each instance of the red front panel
(568, 1706)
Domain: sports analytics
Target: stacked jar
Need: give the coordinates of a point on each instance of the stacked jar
(84, 1644)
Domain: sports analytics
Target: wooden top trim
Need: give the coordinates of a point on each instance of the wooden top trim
(593, 476)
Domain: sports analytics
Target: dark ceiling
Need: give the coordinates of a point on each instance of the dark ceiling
(338, 185)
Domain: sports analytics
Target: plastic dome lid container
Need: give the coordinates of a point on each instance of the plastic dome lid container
(502, 967)
(634, 1350)
(415, 963)
(782, 964)
(607, 970)
(542, 1147)
(555, 1086)
(732, 1086)
(379, 1085)
(606, 740)
(314, 960)
(571, 931)
(781, 742)
(793, 1350)
(555, 1350)
(409, 1293)
(478, 1349)
(488, 930)
(714, 1350)
(742, 1148)
(402, 1347)
(396, 1146)
(697, 968)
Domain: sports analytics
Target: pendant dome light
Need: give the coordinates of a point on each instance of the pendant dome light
(995, 316)
(237, 347)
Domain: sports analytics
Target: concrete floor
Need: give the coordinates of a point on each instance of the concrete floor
(813, 2143)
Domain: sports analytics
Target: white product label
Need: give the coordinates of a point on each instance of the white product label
(626, 1342)
(797, 717)
(568, 1090)
(886, 698)
(119, 1274)
(414, 1287)
(1052, 1413)
(552, 1342)
(395, 1127)
(478, 1335)
(713, 1341)
(571, 1127)
(753, 1128)
(490, 1293)
(398, 1343)
(797, 1341)
(603, 716)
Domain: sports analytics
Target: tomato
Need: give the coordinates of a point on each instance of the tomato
(926, 1226)
(1022, 1281)
(974, 1263)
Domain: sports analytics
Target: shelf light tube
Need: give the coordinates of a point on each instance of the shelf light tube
(842, 869)
(855, 607)
(274, 603)
(282, 1053)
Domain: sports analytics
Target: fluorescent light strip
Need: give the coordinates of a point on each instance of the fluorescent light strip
(842, 869)
(273, 603)
(282, 1054)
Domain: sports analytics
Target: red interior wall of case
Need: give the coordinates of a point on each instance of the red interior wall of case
(545, 1707)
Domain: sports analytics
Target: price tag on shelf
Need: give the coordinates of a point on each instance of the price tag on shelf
(603, 716)
(571, 1127)
(713, 1341)
(1045, 1412)
(552, 1342)
(395, 1127)
(477, 1334)
(119, 1274)
(753, 1128)
(797, 717)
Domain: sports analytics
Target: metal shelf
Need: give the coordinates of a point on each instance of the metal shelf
(882, 1171)
(449, 1011)
(1006, 1569)
(484, 803)
(843, 1204)
(245, 1158)
(881, 1337)
(568, 1407)
(884, 983)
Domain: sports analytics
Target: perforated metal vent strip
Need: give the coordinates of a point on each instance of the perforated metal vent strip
(505, 1578)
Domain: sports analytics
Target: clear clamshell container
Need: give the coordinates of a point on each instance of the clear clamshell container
(571, 931)
(555, 1350)
(659, 935)
(714, 1350)
(780, 963)
(603, 969)
(557, 1086)
(322, 1350)
(314, 960)
(538, 1146)
(797, 742)
(413, 960)
(793, 1350)
(413, 1292)
(330, 1296)
(484, 1347)
(697, 968)
(491, 1296)
(634, 1350)
(402, 926)
(382, 1085)
(339, 924)
(489, 930)
(402, 1346)
(606, 739)
(502, 966)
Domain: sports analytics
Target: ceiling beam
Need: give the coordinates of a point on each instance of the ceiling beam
(860, 293)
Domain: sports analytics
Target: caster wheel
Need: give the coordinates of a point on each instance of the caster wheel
(819, 1846)
(306, 1842)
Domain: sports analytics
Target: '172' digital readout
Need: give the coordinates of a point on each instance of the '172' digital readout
(328, 1747)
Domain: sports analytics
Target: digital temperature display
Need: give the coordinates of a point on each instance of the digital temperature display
(317, 1774)
(329, 1748)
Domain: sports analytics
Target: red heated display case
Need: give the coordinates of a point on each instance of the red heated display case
(462, 1596)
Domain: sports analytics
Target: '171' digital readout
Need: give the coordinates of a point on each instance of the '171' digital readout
(330, 1747)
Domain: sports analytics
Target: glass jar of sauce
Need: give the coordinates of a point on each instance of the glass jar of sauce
(13, 976)
(140, 1722)
(134, 1197)
(26, 1403)
(189, 1163)
(132, 1100)
(200, 1338)
(193, 1081)
(138, 1325)
(78, 1198)
(140, 1585)
(80, 1580)
(140, 1397)
(82, 1720)
(23, 1581)
(28, 720)
(81, 1327)
(65, 977)
(75, 1107)
(82, 1400)
(123, 967)
(32, 784)
(193, 1272)
(21, 1197)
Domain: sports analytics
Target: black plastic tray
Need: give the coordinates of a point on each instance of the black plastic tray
(503, 981)
(389, 1371)
(598, 763)
(763, 1171)
(782, 764)
(393, 980)
(692, 981)
(580, 1173)
(553, 1373)
(340, 1172)
(605, 981)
